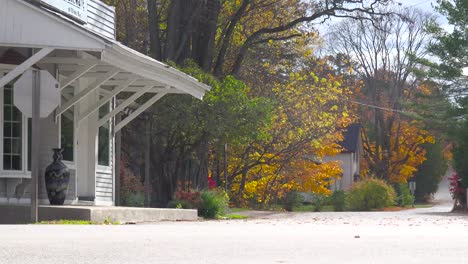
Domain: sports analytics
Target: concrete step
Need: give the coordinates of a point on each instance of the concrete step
(20, 214)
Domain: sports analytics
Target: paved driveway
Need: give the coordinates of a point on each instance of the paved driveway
(428, 235)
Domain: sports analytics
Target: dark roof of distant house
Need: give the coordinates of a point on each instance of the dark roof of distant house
(351, 137)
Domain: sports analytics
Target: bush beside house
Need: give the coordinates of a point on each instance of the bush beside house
(370, 194)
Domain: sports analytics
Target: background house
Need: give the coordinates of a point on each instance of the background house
(349, 157)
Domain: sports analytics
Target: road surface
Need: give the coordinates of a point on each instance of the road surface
(429, 235)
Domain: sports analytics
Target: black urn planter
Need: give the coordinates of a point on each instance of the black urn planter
(57, 177)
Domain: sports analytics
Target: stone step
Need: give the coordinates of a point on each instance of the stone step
(19, 214)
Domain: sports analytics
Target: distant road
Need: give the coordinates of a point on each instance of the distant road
(425, 235)
(443, 193)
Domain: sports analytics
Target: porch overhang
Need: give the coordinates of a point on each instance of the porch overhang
(106, 61)
(132, 61)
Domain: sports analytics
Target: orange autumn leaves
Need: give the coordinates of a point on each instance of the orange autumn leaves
(306, 126)
(407, 152)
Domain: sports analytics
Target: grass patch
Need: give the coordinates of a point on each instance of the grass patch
(311, 208)
(235, 216)
(423, 205)
(237, 210)
(77, 222)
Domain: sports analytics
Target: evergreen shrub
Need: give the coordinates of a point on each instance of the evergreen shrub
(404, 195)
(292, 200)
(338, 200)
(370, 194)
(214, 204)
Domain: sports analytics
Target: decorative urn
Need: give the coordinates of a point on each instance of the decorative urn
(57, 177)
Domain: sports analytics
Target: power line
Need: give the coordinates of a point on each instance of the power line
(377, 107)
(420, 3)
(354, 102)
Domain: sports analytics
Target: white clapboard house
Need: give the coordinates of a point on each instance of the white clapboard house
(349, 157)
(74, 41)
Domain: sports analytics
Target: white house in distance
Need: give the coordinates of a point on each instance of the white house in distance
(349, 158)
(75, 42)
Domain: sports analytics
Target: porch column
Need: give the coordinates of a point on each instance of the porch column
(86, 143)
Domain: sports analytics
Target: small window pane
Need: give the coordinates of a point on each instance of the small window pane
(7, 113)
(7, 146)
(16, 129)
(16, 162)
(7, 129)
(7, 162)
(16, 146)
(8, 96)
(17, 114)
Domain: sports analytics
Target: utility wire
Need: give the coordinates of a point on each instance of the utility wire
(353, 101)
(420, 3)
(376, 107)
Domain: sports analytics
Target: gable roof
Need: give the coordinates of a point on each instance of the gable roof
(351, 138)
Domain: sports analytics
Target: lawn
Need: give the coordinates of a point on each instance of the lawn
(77, 222)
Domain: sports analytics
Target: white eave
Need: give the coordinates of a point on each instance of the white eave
(127, 59)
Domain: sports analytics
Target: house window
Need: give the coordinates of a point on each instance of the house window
(12, 132)
(15, 128)
(67, 127)
(104, 138)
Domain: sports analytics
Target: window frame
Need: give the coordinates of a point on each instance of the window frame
(69, 163)
(99, 167)
(24, 172)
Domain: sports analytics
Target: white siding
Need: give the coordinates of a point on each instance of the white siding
(34, 27)
(349, 168)
(101, 19)
(104, 186)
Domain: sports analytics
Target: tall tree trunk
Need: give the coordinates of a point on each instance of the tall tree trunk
(218, 68)
(204, 36)
(153, 26)
(182, 16)
(245, 170)
(174, 29)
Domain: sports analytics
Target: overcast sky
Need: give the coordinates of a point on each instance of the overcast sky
(426, 5)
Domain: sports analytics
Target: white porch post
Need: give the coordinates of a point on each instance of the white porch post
(86, 143)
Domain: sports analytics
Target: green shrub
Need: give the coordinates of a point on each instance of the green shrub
(133, 199)
(318, 201)
(214, 204)
(338, 200)
(292, 200)
(370, 194)
(180, 204)
(404, 195)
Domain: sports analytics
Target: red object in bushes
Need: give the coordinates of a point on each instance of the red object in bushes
(456, 188)
(211, 183)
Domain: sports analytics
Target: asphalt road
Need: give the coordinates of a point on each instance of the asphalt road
(430, 235)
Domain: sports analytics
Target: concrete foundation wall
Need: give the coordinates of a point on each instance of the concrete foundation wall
(20, 214)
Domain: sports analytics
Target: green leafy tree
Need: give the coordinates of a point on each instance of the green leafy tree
(452, 52)
(451, 48)
(430, 172)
